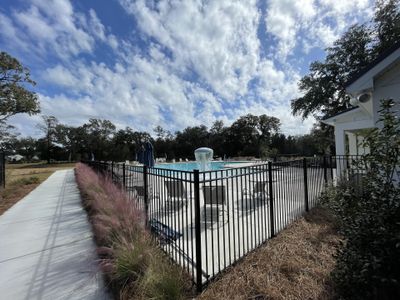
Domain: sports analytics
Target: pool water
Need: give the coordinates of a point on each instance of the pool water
(190, 166)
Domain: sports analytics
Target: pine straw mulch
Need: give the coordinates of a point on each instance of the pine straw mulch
(294, 265)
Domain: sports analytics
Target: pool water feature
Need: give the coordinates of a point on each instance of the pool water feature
(204, 157)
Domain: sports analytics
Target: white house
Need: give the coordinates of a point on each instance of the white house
(380, 80)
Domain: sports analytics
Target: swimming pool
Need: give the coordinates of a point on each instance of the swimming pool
(190, 166)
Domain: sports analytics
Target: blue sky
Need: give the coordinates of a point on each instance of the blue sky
(171, 63)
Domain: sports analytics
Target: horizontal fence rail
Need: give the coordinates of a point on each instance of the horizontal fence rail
(207, 221)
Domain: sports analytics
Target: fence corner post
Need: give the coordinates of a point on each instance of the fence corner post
(325, 169)
(145, 192)
(123, 176)
(305, 184)
(3, 169)
(199, 284)
(271, 200)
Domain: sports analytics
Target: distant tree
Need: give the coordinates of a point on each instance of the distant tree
(99, 133)
(189, 139)
(218, 134)
(66, 137)
(27, 147)
(48, 127)
(14, 96)
(164, 144)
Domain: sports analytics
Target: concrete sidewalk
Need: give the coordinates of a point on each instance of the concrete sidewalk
(46, 245)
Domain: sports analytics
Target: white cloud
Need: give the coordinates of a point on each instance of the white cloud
(201, 61)
(215, 39)
(313, 23)
(55, 27)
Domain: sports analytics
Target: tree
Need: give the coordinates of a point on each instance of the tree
(99, 134)
(48, 127)
(189, 139)
(26, 147)
(14, 96)
(324, 87)
(387, 24)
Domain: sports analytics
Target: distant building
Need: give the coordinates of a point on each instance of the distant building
(15, 158)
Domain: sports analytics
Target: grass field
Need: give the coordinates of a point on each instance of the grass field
(23, 178)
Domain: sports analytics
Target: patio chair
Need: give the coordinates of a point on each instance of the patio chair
(177, 194)
(165, 233)
(214, 204)
(138, 191)
(255, 197)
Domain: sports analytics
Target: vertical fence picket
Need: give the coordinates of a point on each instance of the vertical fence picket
(305, 184)
(271, 200)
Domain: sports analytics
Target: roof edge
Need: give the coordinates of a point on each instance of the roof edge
(371, 65)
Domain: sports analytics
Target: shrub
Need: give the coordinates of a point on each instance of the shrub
(26, 181)
(134, 267)
(368, 264)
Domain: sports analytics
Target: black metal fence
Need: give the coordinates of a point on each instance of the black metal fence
(206, 221)
(2, 170)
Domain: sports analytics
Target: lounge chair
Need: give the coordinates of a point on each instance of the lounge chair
(214, 204)
(165, 233)
(138, 192)
(177, 194)
(255, 197)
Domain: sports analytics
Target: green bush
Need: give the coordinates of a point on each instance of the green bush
(368, 263)
(26, 181)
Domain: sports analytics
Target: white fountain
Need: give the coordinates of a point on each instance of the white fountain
(203, 157)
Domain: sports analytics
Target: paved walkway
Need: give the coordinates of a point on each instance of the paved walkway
(46, 246)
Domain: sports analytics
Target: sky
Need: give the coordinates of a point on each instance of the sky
(168, 62)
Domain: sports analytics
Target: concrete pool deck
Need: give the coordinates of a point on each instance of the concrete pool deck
(47, 250)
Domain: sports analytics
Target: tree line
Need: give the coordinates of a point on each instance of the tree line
(249, 135)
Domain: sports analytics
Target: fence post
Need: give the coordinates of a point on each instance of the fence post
(197, 221)
(305, 183)
(145, 184)
(112, 171)
(325, 170)
(3, 170)
(271, 200)
(331, 164)
(123, 176)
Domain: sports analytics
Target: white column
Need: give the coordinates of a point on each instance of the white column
(353, 149)
(340, 143)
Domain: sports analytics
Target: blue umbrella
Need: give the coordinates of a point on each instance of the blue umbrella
(148, 155)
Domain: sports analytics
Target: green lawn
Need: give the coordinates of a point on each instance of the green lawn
(23, 178)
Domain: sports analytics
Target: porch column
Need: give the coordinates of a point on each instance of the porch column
(340, 141)
(353, 147)
(340, 144)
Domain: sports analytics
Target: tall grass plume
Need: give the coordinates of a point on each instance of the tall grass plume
(132, 264)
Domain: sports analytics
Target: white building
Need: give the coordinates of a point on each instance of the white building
(380, 80)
